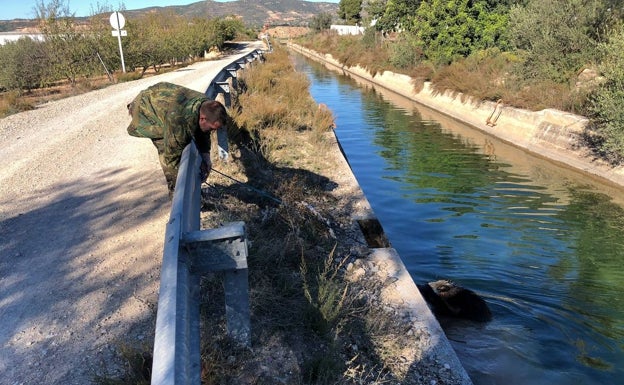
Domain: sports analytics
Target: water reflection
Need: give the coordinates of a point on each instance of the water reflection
(542, 243)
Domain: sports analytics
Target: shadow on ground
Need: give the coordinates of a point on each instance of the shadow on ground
(78, 277)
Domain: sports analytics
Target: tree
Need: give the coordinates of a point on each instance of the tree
(158, 38)
(105, 46)
(70, 50)
(23, 64)
(349, 10)
(556, 37)
(607, 103)
(448, 30)
(149, 42)
(321, 21)
(195, 37)
(229, 29)
(375, 10)
(393, 15)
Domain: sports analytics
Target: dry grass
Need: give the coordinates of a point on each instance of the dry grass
(352, 50)
(276, 100)
(12, 102)
(488, 75)
(308, 324)
(485, 75)
(138, 367)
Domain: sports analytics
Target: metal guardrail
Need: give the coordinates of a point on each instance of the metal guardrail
(190, 252)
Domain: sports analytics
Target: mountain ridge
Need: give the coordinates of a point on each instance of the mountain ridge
(254, 13)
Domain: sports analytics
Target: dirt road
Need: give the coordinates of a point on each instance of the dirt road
(83, 208)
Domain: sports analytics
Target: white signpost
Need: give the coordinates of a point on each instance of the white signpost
(117, 21)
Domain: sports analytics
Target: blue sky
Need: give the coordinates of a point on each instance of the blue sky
(24, 9)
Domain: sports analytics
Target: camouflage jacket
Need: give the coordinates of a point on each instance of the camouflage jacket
(169, 112)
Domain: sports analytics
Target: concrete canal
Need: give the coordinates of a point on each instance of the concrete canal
(543, 244)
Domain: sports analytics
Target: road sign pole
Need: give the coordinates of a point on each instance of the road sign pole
(118, 21)
(123, 65)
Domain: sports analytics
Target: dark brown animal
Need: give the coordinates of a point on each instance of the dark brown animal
(447, 299)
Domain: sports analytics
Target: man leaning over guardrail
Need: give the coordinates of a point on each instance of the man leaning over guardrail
(172, 116)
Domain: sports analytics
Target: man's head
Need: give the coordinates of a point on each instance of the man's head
(212, 115)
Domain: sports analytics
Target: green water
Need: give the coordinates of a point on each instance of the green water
(542, 244)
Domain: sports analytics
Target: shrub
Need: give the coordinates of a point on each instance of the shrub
(405, 53)
(484, 74)
(606, 106)
(129, 76)
(563, 43)
(23, 65)
(11, 102)
(326, 296)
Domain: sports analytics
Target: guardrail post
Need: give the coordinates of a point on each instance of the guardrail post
(224, 87)
(189, 253)
(225, 249)
(234, 75)
(223, 90)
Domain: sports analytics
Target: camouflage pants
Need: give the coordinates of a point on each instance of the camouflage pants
(171, 172)
(137, 129)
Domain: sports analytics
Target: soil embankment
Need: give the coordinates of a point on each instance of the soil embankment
(551, 134)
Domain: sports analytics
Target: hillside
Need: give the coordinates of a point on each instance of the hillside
(254, 13)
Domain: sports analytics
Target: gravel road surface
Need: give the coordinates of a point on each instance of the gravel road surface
(83, 208)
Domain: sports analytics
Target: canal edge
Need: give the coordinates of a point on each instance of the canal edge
(383, 266)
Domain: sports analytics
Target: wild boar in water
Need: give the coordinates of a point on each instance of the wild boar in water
(447, 299)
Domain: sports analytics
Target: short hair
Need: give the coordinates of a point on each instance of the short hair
(214, 111)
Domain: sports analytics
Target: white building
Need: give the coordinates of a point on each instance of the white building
(347, 29)
(13, 36)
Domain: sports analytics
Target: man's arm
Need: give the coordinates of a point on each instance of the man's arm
(206, 166)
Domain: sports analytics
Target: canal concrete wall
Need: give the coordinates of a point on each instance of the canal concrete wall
(436, 357)
(430, 354)
(551, 134)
